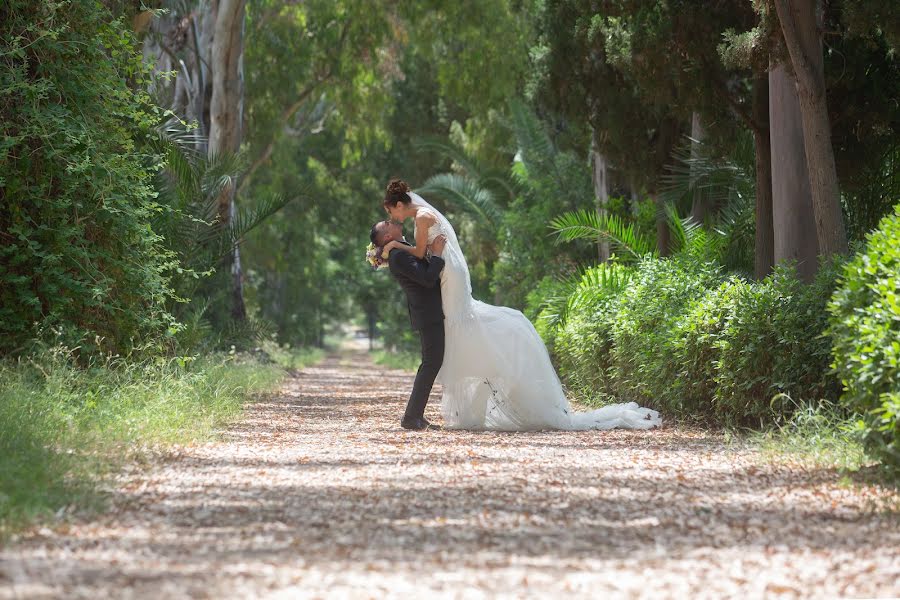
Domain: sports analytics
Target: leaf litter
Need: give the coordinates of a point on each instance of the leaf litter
(317, 492)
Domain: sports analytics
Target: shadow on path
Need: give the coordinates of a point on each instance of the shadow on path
(319, 491)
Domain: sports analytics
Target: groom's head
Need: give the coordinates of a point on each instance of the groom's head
(385, 231)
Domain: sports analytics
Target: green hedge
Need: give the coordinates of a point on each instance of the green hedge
(77, 253)
(865, 328)
(685, 339)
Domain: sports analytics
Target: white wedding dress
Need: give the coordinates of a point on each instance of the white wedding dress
(497, 373)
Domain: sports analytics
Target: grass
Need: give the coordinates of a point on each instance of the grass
(290, 358)
(816, 436)
(64, 427)
(407, 361)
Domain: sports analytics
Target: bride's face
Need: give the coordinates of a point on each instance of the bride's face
(397, 212)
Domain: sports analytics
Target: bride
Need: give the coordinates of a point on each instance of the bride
(496, 372)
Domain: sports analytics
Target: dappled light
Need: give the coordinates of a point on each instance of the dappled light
(317, 491)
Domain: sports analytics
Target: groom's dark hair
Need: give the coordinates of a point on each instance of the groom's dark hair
(374, 234)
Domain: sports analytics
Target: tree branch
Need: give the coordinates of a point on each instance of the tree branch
(800, 61)
(290, 111)
(286, 115)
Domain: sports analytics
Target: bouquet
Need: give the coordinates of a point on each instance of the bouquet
(375, 258)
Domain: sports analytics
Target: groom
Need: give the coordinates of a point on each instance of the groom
(420, 279)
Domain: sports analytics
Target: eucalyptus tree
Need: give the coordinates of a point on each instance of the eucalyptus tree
(801, 25)
(855, 69)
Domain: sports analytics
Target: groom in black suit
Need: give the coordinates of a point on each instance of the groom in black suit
(420, 279)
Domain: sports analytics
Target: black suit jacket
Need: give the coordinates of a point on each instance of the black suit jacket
(421, 280)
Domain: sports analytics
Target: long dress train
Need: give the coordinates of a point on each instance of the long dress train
(497, 372)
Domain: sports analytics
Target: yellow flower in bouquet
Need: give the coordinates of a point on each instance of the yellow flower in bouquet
(375, 258)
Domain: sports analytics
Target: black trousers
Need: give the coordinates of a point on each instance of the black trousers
(432, 339)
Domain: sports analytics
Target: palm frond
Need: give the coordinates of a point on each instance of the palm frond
(584, 288)
(465, 194)
(246, 220)
(691, 238)
(536, 150)
(450, 150)
(492, 179)
(244, 332)
(588, 224)
(695, 170)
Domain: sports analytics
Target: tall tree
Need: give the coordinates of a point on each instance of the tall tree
(764, 242)
(226, 112)
(600, 174)
(801, 26)
(793, 213)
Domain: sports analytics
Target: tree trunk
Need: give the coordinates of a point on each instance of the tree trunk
(793, 218)
(601, 193)
(764, 249)
(663, 233)
(700, 207)
(801, 26)
(205, 51)
(226, 114)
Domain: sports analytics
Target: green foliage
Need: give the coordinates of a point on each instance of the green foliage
(63, 426)
(549, 182)
(478, 49)
(290, 358)
(649, 310)
(583, 324)
(467, 195)
(620, 233)
(78, 254)
(404, 359)
(771, 353)
(676, 335)
(865, 328)
(189, 188)
(820, 436)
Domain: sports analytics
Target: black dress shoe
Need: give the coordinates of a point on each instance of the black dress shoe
(418, 424)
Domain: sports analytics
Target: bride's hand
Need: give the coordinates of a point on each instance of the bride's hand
(388, 247)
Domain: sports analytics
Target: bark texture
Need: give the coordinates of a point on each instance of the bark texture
(226, 117)
(601, 192)
(800, 25)
(764, 248)
(700, 206)
(792, 205)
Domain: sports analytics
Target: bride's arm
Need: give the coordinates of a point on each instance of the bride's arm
(423, 224)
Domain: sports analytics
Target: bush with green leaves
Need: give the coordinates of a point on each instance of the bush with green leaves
(678, 336)
(771, 354)
(643, 331)
(865, 329)
(696, 350)
(77, 252)
(583, 349)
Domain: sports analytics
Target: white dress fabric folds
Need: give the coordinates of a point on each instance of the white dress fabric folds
(497, 372)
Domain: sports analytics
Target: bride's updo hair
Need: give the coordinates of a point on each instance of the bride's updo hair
(397, 192)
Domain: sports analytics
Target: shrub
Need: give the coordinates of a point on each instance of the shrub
(644, 327)
(583, 348)
(679, 337)
(696, 350)
(865, 329)
(583, 343)
(77, 253)
(772, 356)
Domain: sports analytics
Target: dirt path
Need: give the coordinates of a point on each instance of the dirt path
(318, 492)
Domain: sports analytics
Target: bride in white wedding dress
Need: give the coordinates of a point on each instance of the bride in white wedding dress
(497, 372)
